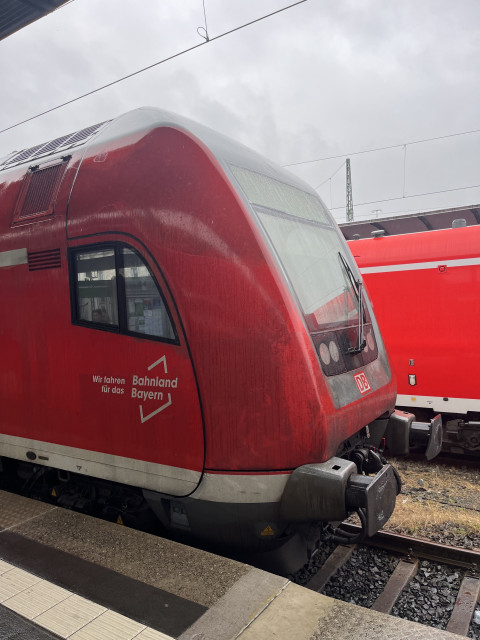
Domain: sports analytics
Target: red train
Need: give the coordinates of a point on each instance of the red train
(183, 324)
(426, 293)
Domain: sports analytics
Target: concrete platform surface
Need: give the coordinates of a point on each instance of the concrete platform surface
(66, 575)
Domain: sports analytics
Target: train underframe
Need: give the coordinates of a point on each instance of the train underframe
(335, 489)
(99, 498)
(357, 480)
(461, 432)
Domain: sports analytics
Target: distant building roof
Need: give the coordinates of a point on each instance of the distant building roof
(16, 14)
(412, 223)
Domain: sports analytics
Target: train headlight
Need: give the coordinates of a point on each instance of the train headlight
(334, 352)
(324, 353)
(329, 350)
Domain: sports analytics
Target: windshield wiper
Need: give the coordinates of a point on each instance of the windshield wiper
(357, 286)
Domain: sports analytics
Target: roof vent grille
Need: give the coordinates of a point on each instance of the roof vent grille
(50, 259)
(40, 190)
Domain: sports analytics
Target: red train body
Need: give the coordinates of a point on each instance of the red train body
(425, 288)
(166, 294)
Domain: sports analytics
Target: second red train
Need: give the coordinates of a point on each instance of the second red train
(425, 288)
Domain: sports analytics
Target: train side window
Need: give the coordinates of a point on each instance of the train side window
(145, 309)
(95, 283)
(113, 288)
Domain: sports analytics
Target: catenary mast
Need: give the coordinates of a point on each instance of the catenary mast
(349, 193)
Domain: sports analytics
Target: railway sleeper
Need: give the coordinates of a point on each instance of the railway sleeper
(468, 594)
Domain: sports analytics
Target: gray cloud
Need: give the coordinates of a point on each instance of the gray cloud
(317, 80)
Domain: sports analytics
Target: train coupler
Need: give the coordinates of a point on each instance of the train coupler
(373, 497)
(403, 433)
(330, 491)
(428, 435)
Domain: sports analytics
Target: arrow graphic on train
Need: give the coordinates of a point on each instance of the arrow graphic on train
(162, 360)
(154, 413)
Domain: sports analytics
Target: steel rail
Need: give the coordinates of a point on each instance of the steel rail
(411, 551)
(424, 549)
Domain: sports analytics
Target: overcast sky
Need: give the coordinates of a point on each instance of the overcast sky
(324, 78)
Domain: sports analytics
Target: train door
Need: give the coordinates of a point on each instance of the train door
(138, 410)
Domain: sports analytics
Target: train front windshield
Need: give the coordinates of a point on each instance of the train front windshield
(309, 247)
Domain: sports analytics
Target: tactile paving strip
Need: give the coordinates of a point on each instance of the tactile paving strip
(64, 613)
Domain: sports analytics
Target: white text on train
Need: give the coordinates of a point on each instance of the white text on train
(155, 382)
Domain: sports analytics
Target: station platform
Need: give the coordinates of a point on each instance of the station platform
(67, 575)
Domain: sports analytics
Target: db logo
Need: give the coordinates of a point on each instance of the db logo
(362, 382)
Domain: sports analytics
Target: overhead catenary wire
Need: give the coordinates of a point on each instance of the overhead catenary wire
(404, 194)
(207, 39)
(367, 217)
(155, 64)
(392, 146)
(333, 174)
(413, 195)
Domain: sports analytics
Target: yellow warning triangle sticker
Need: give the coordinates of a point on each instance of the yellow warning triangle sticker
(268, 531)
(119, 520)
(54, 493)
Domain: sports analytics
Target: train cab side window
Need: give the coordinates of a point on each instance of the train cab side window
(96, 292)
(114, 289)
(145, 310)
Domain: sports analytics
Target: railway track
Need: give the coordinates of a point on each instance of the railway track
(434, 584)
(387, 566)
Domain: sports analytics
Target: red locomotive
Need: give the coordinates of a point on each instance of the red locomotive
(183, 324)
(433, 354)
